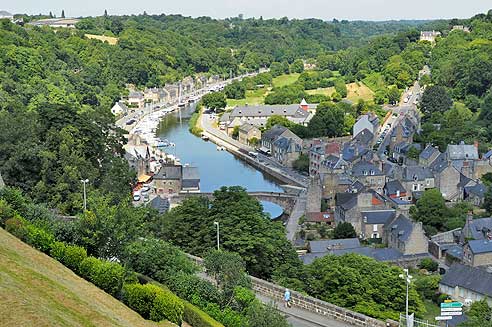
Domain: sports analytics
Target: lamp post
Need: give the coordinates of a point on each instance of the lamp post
(216, 223)
(408, 279)
(85, 181)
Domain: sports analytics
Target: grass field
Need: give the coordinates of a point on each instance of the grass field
(433, 310)
(36, 290)
(286, 79)
(111, 40)
(253, 97)
(358, 91)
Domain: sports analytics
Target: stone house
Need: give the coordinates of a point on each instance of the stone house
(333, 183)
(415, 179)
(319, 152)
(190, 180)
(373, 222)
(447, 178)
(136, 99)
(395, 190)
(429, 36)
(476, 229)
(281, 144)
(406, 236)
(172, 91)
(168, 179)
(138, 155)
(369, 121)
(478, 253)
(369, 175)
(348, 207)
(467, 284)
(248, 132)
(428, 155)
(402, 133)
(321, 218)
(475, 193)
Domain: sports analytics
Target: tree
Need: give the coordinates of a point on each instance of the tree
(341, 88)
(344, 230)
(105, 13)
(51, 14)
(302, 163)
(214, 100)
(435, 101)
(413, 153)
(431, 210)
(297, 66)
(393, 95)
(428, 264)
(328, 121)
(63, 14)
(265, 315)
(235, 90)
(274, 120)
(227, 269)
(479, 315)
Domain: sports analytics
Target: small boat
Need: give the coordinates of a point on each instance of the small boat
(220, 148)
(182, 104)
(205, 138)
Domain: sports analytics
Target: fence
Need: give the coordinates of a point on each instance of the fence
(311, 304)
(416, 322)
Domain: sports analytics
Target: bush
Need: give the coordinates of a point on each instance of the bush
(104, 274)
(39, 238)
(17, 227)
(197, 318)
(428, 264)
(57, 251)
(6, 212)
(168, 306)
(140, 298)
(73, 257)
(194, 289)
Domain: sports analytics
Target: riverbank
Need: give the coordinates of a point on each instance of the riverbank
(195, 125)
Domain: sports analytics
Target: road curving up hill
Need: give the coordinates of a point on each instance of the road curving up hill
(36, 290)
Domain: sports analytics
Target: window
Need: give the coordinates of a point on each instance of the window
(374, 228)
(415, 187)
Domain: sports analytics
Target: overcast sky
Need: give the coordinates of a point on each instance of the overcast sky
(324, 9)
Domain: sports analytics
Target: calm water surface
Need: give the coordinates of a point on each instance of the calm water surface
(217, 168)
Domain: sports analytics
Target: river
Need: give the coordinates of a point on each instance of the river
(217, 168)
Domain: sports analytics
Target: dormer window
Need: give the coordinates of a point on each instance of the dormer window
(364, 172)
(415, 177)
(372, 172)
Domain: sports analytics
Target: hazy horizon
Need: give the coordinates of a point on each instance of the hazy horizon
(369, 10)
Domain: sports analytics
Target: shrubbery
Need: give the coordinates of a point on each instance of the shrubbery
(39, 238)
(104, 274)
(153, 302)
(197, 318)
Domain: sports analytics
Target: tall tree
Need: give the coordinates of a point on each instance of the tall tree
(63, 13)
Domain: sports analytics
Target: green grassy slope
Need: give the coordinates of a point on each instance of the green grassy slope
(36, 290)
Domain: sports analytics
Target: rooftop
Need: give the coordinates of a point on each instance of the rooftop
(401, 228)
(480, 246)
(462, 152)
(471, 278)
(293, 110)
(168, 172)
(365, 168)
(326, 245)
(378, 216)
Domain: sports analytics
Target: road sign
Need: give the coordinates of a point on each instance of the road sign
(451, 313)
(444, 318)
(451, 309)
(452, 305)
(448, 301)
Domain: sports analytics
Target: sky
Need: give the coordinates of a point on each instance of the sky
(323, 9)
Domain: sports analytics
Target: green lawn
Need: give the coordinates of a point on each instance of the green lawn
(355, 92)
(285, 79)
(253, 97)
(328, 91)
(433, 311)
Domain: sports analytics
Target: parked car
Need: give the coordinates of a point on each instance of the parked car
(136, 197)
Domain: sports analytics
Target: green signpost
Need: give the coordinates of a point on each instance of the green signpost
(452, 305)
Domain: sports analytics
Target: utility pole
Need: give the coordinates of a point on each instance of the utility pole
(85, 181)
(216, 223)
(408, 279)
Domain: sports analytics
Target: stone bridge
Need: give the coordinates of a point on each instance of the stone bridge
(284, 200)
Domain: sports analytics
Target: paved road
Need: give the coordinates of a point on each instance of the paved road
(297, 212)
(302, 318)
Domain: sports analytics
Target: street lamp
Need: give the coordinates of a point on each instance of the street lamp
(408, 279)
(216, 223)
(85, 181)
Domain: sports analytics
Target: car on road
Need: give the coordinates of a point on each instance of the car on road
(393, 160)
(131, 121)
(136, 197)
(145, 188)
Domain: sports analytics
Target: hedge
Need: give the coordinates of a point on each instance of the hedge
(17, 227)
(154, 302)
(197, 318)
(39, 238)
(104, 274)
(70, 255)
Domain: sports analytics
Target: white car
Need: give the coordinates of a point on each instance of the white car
(136, 197)
(145, 188)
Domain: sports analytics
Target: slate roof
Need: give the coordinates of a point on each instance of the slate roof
(346, 200)
(364, 168)
(401, 228)
(169, 172)
(480, 246)
(477, 190)
(273, 133)
(471, 278)
(420, 173)
(136, 94)
(246, 127)
(378, 216)
(379, 254)
(325, 245)
(365, 136)
(160, 204)
(287, 144)
(226, 117)
(439, 164)
(455, 251)
(464, 180)
(351, 152)
(332, 162)
(357, 186)
(191, 173)
(428, 152)
(293, 110)
(393, 186)
(462, 151)
(478, 228)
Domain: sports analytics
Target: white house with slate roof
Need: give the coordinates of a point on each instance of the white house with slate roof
(369, 122)
(478, 253)
(464, 283)
(258, 115)
(119, 108)
(373, 222)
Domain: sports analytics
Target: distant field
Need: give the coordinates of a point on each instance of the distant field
(253, 97)
(36, 290)
(375, 81)
(358, 91)
(111, 40)
(286, 79)
(328, 91)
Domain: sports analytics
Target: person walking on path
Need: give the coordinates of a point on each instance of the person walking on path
(287, 298)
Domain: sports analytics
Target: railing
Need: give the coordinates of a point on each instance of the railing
(310, 304)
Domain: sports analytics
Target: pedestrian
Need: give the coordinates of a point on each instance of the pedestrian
(287, 298)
